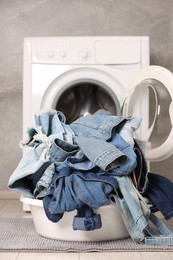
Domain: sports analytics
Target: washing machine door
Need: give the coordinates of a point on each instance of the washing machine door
(81, 91)
(150, 95)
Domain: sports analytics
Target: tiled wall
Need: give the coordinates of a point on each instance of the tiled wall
(20, 18)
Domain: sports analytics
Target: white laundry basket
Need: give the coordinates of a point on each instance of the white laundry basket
(112, 228)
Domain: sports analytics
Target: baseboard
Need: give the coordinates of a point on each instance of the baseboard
(7, 194)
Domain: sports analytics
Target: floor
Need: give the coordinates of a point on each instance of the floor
(13, 208)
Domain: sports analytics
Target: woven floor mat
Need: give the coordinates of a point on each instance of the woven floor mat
(18, 234)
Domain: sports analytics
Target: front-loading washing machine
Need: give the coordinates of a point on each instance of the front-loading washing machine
(78, 76)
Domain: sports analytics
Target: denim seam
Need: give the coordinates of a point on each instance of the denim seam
(79, 193)
(106, 153)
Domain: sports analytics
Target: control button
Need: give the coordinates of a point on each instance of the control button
(62, 54)
(84, 54)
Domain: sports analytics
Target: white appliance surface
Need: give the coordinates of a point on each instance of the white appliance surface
(54, 65)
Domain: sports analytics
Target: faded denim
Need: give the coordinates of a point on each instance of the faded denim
(103, 154)
(98, 139)
(72, 189)
(42, 187)
(160, 192)
(99, 125)
(49, 123)
(138, 218)
(39, 144)
(132, 207)
(128, 128)
(86, 219)
(141, 170)
(127, 167)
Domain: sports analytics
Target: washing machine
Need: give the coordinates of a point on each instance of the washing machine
(79, 75)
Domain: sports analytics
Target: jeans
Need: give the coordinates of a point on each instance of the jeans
(160, 192)
(86, 219)
(141, 170)
(142, 225)
(71, 189)
(31, 163)
(159, 235)
(132, 207)
(38, 150)
(42, 186)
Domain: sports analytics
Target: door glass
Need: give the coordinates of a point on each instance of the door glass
(151, 100)
(85, 98)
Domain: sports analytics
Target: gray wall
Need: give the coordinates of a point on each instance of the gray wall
(20, 18)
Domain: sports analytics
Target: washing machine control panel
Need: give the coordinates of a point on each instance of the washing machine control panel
(63, 54)
(87, 50)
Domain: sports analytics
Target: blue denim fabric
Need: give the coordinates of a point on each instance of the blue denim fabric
(30, 163)
(97, 138)
(49, 123)
(160, 235)
(141, 170)
(51, 140)
(60, 150)
(98, 125)
(132, 207)
(130, 164)
(39, 150)
(103, 154)
(142, 225)
(42, 187)
(115, 155)
(72, 189)
(86, 219)
(79, 162)
(160, 193)
(128, 128)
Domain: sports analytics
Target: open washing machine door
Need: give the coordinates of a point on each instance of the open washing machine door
(150, 95)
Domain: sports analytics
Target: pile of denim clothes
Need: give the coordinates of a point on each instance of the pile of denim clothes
(92, 162)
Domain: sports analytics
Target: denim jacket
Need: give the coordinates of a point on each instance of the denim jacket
(99, 125)
(98, 138)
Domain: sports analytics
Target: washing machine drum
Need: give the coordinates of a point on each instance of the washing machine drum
(85, 98)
